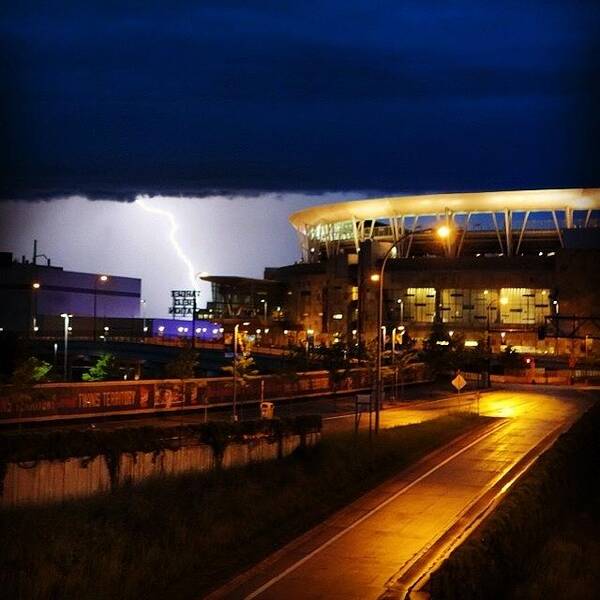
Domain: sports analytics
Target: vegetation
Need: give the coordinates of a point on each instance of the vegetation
(568, 565)
(179, 537)
(31, 371)
(25, 377)
(334, 360)
(502, 551)
(105, 368)
(61, 444)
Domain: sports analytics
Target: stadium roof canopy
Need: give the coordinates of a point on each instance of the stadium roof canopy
(482, 222)
(456, 203)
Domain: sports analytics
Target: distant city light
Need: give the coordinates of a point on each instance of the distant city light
(36, 286)
(338, 316)
(471, 343)
(375, 277)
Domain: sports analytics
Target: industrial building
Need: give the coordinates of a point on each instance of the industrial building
(519, 268)
(33, 295)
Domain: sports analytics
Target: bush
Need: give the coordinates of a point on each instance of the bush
(499, 552)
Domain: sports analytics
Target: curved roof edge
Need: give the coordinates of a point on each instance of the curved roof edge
(461, 202)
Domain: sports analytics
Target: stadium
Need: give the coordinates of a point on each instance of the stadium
(519, 268)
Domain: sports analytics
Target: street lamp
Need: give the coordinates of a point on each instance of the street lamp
(443, 232)
(66, 318)
(235, 343)
(264, 303)
(35, 286)
(101, 279)
(143, 306)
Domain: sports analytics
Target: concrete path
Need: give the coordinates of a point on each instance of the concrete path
(362, 550)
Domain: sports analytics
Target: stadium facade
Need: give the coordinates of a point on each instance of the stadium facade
(519, 268)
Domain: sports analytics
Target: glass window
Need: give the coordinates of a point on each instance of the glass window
(524, 306)
(419, 305)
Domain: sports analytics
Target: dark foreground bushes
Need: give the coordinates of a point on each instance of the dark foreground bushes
(179, 537)
(500, 551)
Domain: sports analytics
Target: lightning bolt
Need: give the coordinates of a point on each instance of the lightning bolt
(142, 201)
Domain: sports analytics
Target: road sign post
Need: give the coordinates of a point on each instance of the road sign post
(459, 383)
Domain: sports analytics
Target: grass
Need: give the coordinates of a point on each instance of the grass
(568, 565)
(183, 536)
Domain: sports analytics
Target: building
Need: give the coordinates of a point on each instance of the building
(33, 296)
(517, 269)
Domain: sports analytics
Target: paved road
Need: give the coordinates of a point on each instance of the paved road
(364, 548)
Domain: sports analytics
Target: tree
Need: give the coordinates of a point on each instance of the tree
(442, 351)
(334, 360)
(24, 379)
(245, 368)
(105, 368)
(183, 366)
(403, 361)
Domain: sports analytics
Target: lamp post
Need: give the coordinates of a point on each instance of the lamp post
(401, 303)
(66, 318)
(102, 279)
(264, 303)
(35, 286)
(143, 307)
(443, 232)
(235, 343)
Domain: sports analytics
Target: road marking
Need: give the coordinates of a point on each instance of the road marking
(367, 515)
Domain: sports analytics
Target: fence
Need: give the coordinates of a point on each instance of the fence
(64, 399)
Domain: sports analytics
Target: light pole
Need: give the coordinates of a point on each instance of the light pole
(443, 232)
(143, 307)
(264, 303)
(102, 279)
(35, 287)
(401, 303)
(394, 362)
(235, 343)
(66, 318)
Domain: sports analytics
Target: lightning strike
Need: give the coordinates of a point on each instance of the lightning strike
(142, 202)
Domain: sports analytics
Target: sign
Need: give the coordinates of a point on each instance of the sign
(184, 302)
(459, 382)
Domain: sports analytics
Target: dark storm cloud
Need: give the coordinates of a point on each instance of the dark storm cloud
(115, 99)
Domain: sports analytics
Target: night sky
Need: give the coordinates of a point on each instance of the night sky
(241, 99)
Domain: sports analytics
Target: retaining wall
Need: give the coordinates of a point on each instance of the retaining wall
(45, 481)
